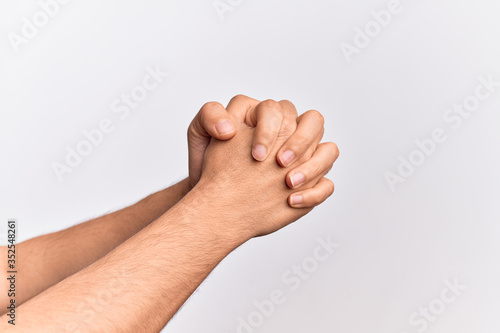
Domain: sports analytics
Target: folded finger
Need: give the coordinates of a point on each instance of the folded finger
(317, 166)
(309, 126)
(313, 196)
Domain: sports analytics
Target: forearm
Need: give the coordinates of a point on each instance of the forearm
(140, 285)
(48, 259)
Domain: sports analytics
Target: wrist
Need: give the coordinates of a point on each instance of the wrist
(184, 186)
(190, 183)
(217, 212)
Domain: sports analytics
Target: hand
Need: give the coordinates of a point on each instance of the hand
(250, 197)
(268, 117)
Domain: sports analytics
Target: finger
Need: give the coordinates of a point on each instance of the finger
(211, 121)
(313, 196)
(311, 150)
(272, 120)
(309, 126)
(240, 105)
(289, 124)
(317, 166)
(267, 117)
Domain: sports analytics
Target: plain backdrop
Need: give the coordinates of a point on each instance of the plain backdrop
(397, 248)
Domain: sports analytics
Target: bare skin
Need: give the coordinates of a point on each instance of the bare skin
(182, 232)
(45, 260)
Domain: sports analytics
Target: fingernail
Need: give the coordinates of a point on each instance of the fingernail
(224, 127)
(259, 152)
(297, 179)
(296, 199)
(287, 157)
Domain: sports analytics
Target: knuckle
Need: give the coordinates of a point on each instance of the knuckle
(269, 104)
(239, 98)
(208, 109)
(209, 106)
(317, 116)
(333, 150)
(287, 104)
(270, 118)
(316, 169)
(275, 121)
(331, 186)
(267, 135)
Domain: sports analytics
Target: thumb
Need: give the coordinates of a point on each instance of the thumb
(211, 121)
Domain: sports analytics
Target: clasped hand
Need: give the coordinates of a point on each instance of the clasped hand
(260, 161)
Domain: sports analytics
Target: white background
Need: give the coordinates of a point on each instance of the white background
(397, 247)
